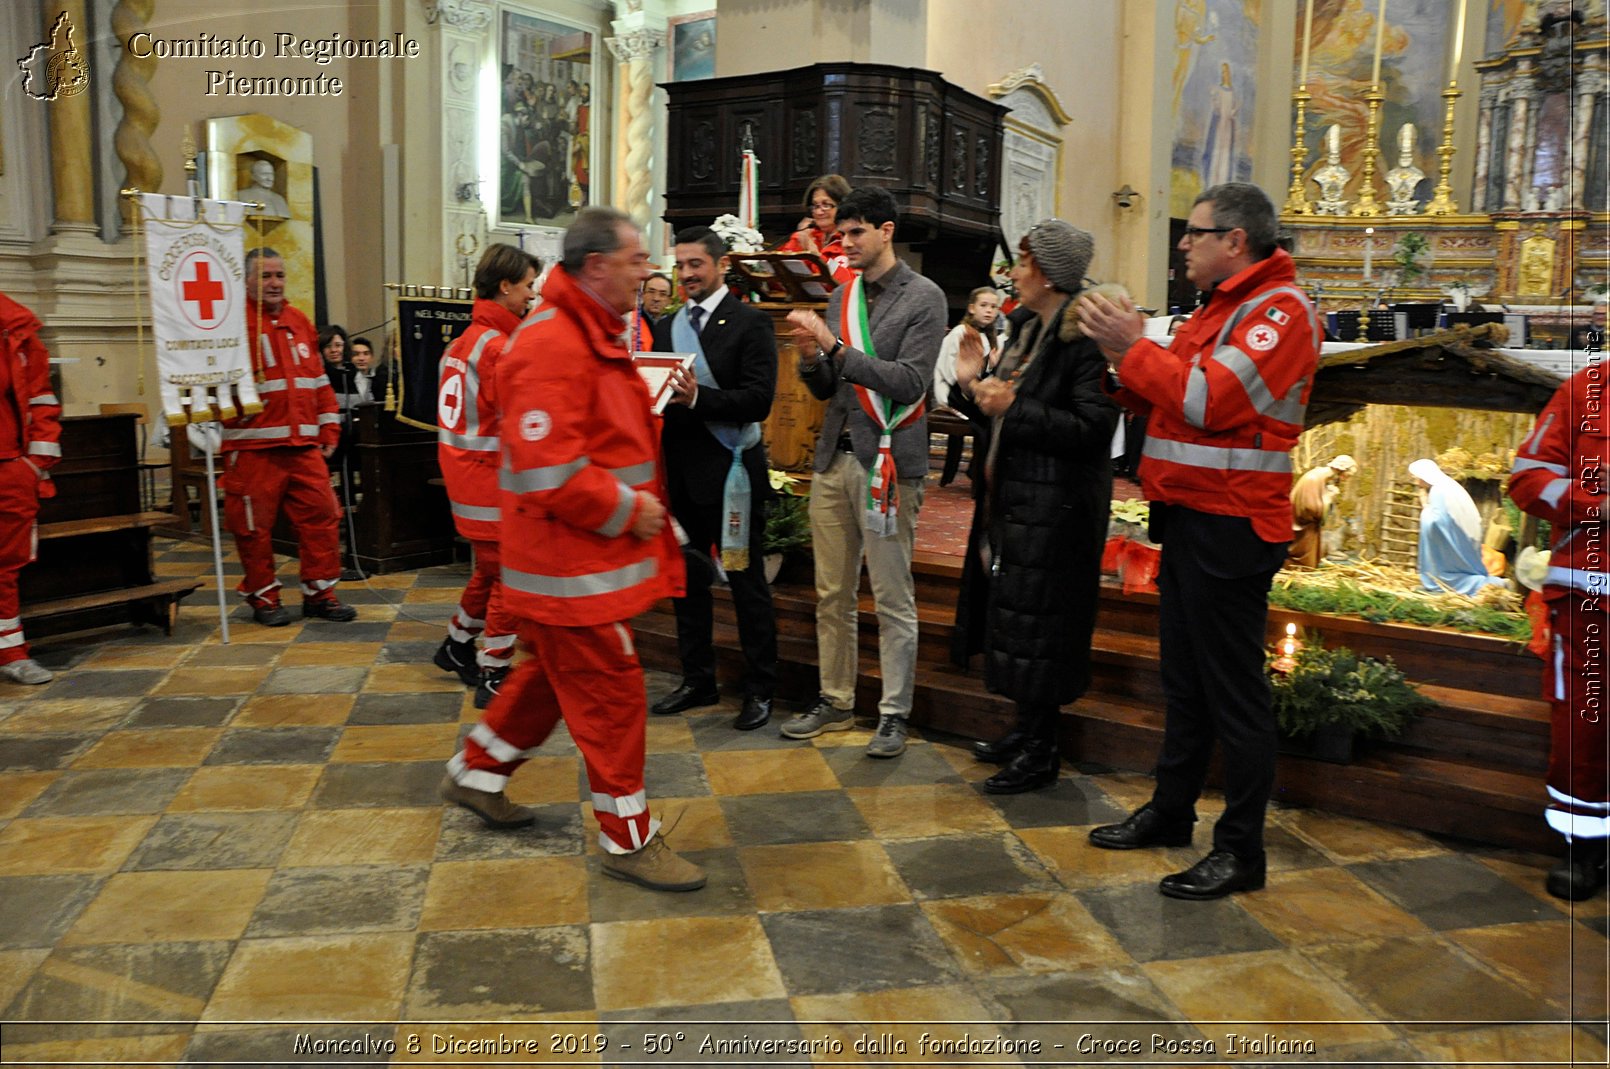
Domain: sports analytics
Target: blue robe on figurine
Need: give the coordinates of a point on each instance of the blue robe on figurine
(1450, 546)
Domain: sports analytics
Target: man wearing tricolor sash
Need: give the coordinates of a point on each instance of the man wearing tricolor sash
(871, 359)
(715, 467)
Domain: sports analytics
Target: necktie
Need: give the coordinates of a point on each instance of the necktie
(696, 318)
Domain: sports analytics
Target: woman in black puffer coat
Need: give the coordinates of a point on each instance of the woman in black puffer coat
(1043, 489)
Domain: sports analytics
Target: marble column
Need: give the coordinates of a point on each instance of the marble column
(1515, 168)
(72, 143)
(132, 84)
(637, 39)
(1587, 89)
(1484, 136)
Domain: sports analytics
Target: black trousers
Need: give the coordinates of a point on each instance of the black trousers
(1214, 581)
(751, 597)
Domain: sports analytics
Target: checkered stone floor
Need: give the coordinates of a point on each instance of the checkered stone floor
(235, 854)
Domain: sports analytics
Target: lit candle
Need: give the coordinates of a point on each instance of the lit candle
(1289, 647)
(1380, 36)
(1369, 251)
(1458, 44)
(1308, 32)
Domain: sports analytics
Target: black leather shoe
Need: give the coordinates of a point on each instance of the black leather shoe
(271, 615)
(1580, 874)
(1035, 766)
(328, 609)
(684, 697)
(487, 688)
(458, 658)
(1001, 750)
(1220, 873)
(756, 712)
(1145, 827)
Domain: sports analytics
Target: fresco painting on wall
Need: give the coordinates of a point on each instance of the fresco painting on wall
(1503, 22)
(693, 47)
(1215, 53)
(545, 120)
(1414, 62)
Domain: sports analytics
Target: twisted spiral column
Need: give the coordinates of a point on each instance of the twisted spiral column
(131, 84)
(634, 50)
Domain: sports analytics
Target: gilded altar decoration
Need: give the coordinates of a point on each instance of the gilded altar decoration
(1332, 178)
(1537, 265)
(1402, 180)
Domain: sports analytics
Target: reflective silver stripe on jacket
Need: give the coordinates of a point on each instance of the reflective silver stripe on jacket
(237, 434)
(313, 383)
(582, 586)
(538, 315)
(271, 386)
(635, 473)
(311, 430)
(329, 417)
(616, 524)
(44, 449)
(1536, 437)
(1215, 457)
(472, 386)
(1578, 579)
(460, 441)
(1289, 409)
(44, 399)
(1556, 489)
(1528, 464)
(533, 480)
(1251, 305)
(477, 512)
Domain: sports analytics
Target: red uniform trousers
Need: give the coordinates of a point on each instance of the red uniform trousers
(591, 677)
(256, 483)
(1575, 678)
(19, 504)
(481, 611)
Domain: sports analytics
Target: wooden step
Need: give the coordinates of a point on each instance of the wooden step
(149, 603)
(102, 525)
(123, 595)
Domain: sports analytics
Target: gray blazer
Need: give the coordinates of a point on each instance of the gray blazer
(908, 323)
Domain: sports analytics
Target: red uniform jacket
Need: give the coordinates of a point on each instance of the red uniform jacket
(1227, 400)
(467, 421)
(299, 408)
(579, 439)
(832, 252)
(1559, 475)
(30, 415)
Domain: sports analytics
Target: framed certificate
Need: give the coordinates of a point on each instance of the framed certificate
(656, 370)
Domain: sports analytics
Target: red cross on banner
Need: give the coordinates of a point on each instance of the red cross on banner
(203, 290)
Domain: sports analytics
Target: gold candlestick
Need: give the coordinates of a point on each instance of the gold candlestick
(1366, 205)
(1297, 202)
(1442, 202)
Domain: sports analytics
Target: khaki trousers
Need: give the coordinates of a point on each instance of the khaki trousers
(838, 539)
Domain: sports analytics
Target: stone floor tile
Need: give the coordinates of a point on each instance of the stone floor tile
(557, 833)
(67, 716)
(1563, 962)
(714, 733)
(115, 656)
(918, 812)
(966, 865)
(675, 775)
(50, 845)
(350, 898)
(17, 967)
(1512, 1044)
(354, 977)
(670, 734)
(796, 817)
(681, 961)
(364, 744)
(1152, 927)
(729, 1023)
(1077, 864)
(247, 787)
(918, 766)
(294, 710)
(214, 841)
(305, 654)
(829, 951)
(36, 753)
(411, 679)
(282, 1048)
(146, 1049)
(19, 789)
(372, 625)
(434, 708)
(274, 746)
(36, 911)
(1448, 891)
(89, 683)
(472, 974)
(733, 772)
(1034, 933)
(330, 837)
(242, 654)
(315, 679)
(828, 875)
(1128, 1006)
(1073, 800)
(150, 748)
(110, 791)
(183, 712)
(211, 681)
(384, 786)
(524, 893)
(896, 1015)
(1348, 839)
(401, 651)
(170, 907)
(726, 894)
(544, 780)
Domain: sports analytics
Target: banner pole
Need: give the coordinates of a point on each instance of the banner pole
(217, 537)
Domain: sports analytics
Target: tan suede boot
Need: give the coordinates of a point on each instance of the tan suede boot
(493, 807)
(657, 867)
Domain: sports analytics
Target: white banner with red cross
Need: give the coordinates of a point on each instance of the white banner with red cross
(195, 261)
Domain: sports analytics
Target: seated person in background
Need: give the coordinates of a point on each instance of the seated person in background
(369, 374)
(333, 347)
(1450, 534)
(983, 311)
(818, 231)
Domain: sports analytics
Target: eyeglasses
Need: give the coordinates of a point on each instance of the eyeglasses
(1194, 232)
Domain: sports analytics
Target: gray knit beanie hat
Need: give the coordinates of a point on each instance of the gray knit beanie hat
(1063, 252)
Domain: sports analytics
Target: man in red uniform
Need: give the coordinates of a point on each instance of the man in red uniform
(467, 447)
(1559, 475)
(585, 547)
(277, 456)
(30, 433)
(1226, 403)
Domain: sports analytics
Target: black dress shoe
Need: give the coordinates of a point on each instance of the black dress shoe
(1220, 873)
(328, 609)
(1580, 874)
(756, 712)
(684, 697)
(1145, 827)
(1002, 749)
(1036, 765)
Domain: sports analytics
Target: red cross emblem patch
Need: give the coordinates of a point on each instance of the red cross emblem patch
(204, 299)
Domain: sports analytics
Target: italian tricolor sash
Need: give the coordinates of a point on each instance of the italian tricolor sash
(883, 491)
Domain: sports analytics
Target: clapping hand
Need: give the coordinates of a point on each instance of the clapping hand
(810, 330)
(969, 357)
(993, 396)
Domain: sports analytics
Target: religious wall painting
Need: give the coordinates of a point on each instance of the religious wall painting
(693, 47)
(547, 119)
(1504, 19)
(1414, 68)
(1213, 95)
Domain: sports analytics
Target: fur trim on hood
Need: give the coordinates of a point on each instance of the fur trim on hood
(1070, 328)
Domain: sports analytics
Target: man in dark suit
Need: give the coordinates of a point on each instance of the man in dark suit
(712, 442)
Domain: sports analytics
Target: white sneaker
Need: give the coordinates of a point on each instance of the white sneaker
(27, 671)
